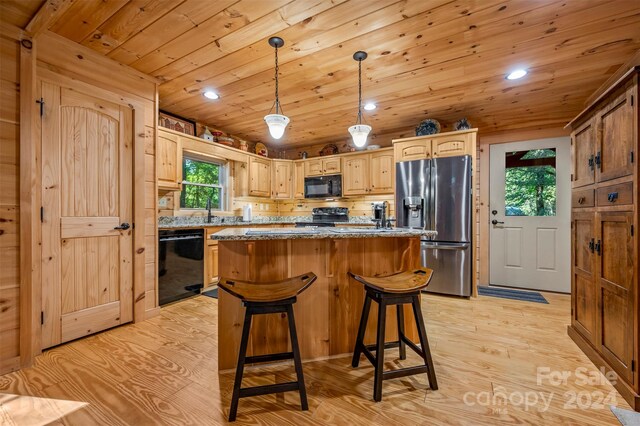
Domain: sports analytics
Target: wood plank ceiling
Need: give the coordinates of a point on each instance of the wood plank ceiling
(443, 59)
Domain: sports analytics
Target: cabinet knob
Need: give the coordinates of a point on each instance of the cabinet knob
(581, 200)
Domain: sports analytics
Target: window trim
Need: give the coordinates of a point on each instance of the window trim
(223, 179)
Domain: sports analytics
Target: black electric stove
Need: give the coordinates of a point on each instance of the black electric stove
(326, 217)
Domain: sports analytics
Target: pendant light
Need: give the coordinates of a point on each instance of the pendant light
(276, 122)
(359, 131)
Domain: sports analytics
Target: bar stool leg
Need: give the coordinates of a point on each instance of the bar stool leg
(242, 354)
(401, 346)
(379, 367)
(422, 332)
(296, 358)
(361, 330)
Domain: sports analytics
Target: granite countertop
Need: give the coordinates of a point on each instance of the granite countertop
(170, 222)
(253, 234)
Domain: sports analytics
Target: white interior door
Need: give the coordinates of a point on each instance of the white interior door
(530, 213)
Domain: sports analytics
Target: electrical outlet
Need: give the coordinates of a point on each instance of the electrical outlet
(163, 202)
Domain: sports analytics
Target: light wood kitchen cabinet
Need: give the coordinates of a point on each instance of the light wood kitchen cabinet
(462, 142)
(169, 161)
(452, 144)
(605, 316)
(259, 177)
(323, 166)
(298, 179)
(355, 176)
(211, 263)
(365, 174)
(382, 170)
(281, 179)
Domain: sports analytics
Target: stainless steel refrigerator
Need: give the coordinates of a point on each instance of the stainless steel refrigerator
(436, 194)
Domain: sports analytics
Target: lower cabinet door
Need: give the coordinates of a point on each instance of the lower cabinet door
(584, 290)
(616, 316)
(211, 262)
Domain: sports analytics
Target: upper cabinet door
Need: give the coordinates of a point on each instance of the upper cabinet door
(169, 161)
(259, 177)
(583, 146)
(416, 149)
(332, 166)
(354, 178)
(298, 180)
(313, 167)
(281, 179)
(449, 146)
(615, 284)
(381, 173)
(616, 124)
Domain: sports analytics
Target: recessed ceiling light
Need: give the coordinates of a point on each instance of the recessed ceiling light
(210, 94)
(516, 74)
(370, 106)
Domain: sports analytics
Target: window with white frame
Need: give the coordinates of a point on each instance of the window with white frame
(203, 180)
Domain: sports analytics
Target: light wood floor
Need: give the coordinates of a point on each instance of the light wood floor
(163, 371)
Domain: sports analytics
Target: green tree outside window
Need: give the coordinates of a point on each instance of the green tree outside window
(202, 181)
(530, 183)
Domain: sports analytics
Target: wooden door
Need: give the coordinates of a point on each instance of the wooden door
(414, 149)
(583, 148)
(354, 177)
(211, 263)
(615, 278)
(169, 161)
(281, 179)
(298, 180)
(332, 166)
(87, 187)
(259, 177)
(584, 291)
(313, 167)
(382, 173)
(449, 146)
(615, 156)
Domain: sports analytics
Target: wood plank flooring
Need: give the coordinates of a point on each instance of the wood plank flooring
(164, 372)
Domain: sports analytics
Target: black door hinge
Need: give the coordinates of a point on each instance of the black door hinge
(633, 365)
(632, 157)
(631, 100)
(41, 214)
(632, 230)
(41, 317)
(41, 102)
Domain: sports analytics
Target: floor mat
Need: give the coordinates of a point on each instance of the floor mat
(626, 417)
(211, 293)
(506, 293)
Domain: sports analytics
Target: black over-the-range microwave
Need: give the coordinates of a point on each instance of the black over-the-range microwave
(323, 186)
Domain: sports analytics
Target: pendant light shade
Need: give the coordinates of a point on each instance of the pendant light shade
(277, 122)
(359, 132)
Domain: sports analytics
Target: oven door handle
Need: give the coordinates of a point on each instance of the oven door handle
(191, 237)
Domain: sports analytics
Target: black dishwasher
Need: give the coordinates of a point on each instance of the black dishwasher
(180, 264)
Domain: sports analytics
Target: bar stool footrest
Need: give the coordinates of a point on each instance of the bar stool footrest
(269, 357)
(402, 372)
(413, 346)
(388, 345)
(267, 389)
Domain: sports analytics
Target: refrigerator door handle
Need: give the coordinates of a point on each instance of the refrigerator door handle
(436, 246)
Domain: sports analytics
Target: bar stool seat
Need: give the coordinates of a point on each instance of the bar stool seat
(397, 289)
(267, 298)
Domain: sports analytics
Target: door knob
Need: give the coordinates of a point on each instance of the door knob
(123, 227)
(495, 222)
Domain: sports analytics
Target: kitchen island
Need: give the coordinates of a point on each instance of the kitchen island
(328, 312)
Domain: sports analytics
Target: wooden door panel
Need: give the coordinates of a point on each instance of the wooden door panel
(585, 306)
(584, 236)
(450, 146)
(87, 264)
(354, 180)
(331, 166)
(617, 138)
(382, 168)
(615, 271)
(583, 149)
(313, 168)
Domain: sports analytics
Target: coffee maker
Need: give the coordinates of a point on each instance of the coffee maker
(380, 211)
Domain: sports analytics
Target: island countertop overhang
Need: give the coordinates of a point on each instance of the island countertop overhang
(261, 234)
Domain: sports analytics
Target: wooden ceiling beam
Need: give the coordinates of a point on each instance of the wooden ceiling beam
(48, 13)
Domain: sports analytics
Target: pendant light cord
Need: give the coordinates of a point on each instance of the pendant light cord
(359, 92)
(277, 99)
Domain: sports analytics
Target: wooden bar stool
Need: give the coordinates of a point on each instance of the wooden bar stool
(267, 298)
(397, 289)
